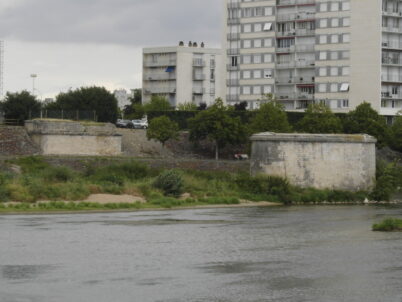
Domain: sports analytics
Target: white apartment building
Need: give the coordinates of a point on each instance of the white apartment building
(183, 74)
(337, 52)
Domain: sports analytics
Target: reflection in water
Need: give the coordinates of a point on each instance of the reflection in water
(284, 254)
(20, 272)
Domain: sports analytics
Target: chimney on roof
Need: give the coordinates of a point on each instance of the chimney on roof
(195, 44)
(190, 44)
(202, 45)
(181, 43)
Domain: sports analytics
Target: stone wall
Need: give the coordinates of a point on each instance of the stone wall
(15, 141)
(74, 138)
(343, 162)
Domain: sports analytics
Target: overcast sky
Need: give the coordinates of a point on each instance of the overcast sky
(74, 43)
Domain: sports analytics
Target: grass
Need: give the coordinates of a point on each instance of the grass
(42, 181)
(388, 225)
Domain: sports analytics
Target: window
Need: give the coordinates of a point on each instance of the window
(323, 7)
(257, 43)
(323, 23)
(267, 73)
(246, 90)
(267, 26)
(335, 22)
(345, 87)
(267, 58)
(322, 87)
(247, 43)
(268, 42)
(247, 28)
(345, 5)
(246, 59)
(346, 21)
(268, 11)
(334, 6)
(345, 71)
(257, 59)
(246, 74)
(334, 87)
(346, 38)
(257, 27)
(322, 72)
(234, 61)
(334, 55)
(257, 74)
(334, 38)
(334, 71)
(345, 103)
(267, 89)
(323, 55)
(257, 90)
(323, 39)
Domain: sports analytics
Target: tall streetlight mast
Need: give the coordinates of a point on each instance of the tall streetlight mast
(33, 76)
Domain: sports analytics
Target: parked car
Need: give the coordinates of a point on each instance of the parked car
(124, 124)
(140, 124)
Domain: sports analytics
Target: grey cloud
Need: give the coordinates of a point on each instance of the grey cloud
(132, 22)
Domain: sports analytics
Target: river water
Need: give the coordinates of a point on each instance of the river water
(323, 254)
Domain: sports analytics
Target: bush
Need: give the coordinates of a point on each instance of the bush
(170, 182)
(4, 194)
(388, 225)
(58, 174)
(32, 164)
(267, 185)
(117, 173)
(388, 179)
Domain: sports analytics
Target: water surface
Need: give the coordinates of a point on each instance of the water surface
(315, 254)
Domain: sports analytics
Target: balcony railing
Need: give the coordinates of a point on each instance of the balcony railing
(159, 89)
(389, 95)
(295, 2)
(391, 13)
(234, 36)
(392, 78)
(232, 98)
(198, 63)
(230, 67)
(285, 96)
(232, 82)
(392, 44)
(292, 81)
(171, 62)
(392, 29)
(233, 51)
(199, 77)
(233, 21)
(198, 90)
(291, 64)
(295, 16)
(285, 49)
(305, 96)
(305, 48)
(160, 77)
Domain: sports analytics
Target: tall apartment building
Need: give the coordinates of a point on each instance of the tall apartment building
(336, 52)
(183, 74)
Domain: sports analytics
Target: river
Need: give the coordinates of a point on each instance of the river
(292, 254)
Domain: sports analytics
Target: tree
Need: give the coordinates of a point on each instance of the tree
(365, 119)
(396, 134)
(242, 106)
(135, 109)
(270, 117)
(157, 103)
(162, 129)
(320, 119)
(94, 98)
(187, 107)
(19, 105)
(217, 124)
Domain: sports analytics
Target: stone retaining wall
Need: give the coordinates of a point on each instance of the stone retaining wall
(15, 141)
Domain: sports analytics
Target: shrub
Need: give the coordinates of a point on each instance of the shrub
(117, 173)
(4, 194)
(268, 185)
(387, 182)
(170, 182)
(388, 225)
(58, 174)
(32, 164)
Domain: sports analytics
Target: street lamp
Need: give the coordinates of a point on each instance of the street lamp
(33, 76)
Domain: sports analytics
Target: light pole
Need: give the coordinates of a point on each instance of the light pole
(33, 76)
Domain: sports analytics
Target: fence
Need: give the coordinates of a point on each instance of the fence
(75, 115)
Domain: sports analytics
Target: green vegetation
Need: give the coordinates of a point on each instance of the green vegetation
(64, 189)
(389, 225)
(320, 119)
(94, 98)
(19, 105)
(162, 129)
(270, 117)
(218, 125)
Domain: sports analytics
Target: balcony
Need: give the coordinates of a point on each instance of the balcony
(305, 96)
(198, 90)
(305, 32)
(389, 96)
(234, 4)
(392, 45)
(160, 63)
(295, 16)
(232, 98)
(166, 76)
(294, 81)
(393, 62)
(233, 36)
(390, 13)
(233, 52)
(286, 65)
(305, 64)
(294, 2)
(159, 89)
(305, 48)
(199, 77)
(285, 96)
(230, 67)
(286, 49)
(392, 29)
(198, 63)
(233, 82)
(391, 78)
(234, 21)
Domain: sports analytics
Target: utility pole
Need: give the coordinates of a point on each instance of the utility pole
(33, 76)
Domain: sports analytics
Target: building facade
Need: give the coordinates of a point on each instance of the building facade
(183, 74)
(337, 52)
